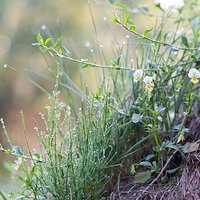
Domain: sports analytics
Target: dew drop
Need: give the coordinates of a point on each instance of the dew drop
(87, 44)
(104, 18)
(43, 27)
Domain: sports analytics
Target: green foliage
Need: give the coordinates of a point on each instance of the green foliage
(83, 151)
(185, 41)
(3, 196)
(147, 31)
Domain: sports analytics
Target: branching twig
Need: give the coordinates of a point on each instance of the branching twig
(153, 40)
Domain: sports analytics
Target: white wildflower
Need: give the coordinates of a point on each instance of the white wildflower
(148, 80)
(137, 75)
(194, 74)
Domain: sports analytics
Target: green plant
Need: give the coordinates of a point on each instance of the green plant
(169, 93)
(137, 115)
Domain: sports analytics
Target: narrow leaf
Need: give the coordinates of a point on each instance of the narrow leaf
(145, 164)
(85, 65)
(132, 26)
(184, 41)
(3, 196)
(58, 42)
(142, 177)
(127, 17)
(171, 171)
(147, 31)
(40, 39)
(121, 5)
(47, 41)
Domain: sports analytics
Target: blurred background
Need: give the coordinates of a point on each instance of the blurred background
(85, 26)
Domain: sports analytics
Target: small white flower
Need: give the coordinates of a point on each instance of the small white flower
(137, 75)
(148, 80)
(194, 74)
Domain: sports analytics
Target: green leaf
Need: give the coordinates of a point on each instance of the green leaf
(60, 51)
(149, 157)
(58, 42)
(40, 39)
(145, 164)
(184, 41)
(47, 41)
(132, 26)
(85, 65)
(147, 31)
(17, 150)
(172, 146)
(3, 196)
(165, 36)
(143, 38)
(32, 172)
(158, 6)
(127, 17)
(121, 5)
(171, 171)
(142, 177)
(117, 61)
(37, 156)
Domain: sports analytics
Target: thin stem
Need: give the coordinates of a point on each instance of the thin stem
(9, 152)
(152, 40)
(25, 135)
(5, 132)
(27, 78)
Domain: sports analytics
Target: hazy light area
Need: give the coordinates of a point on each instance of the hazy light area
(167, 4)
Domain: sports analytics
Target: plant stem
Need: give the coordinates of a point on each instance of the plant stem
(153, 40)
